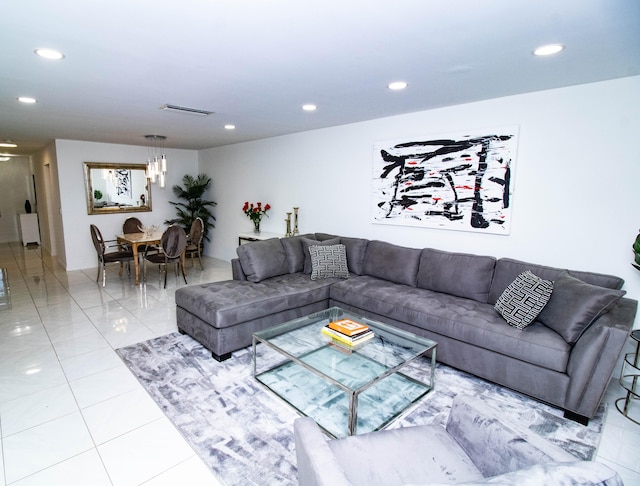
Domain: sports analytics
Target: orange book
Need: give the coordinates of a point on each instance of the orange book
(348, 327)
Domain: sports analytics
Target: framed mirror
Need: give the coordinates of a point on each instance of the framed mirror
(116, 188)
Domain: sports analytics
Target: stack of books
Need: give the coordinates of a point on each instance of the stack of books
(347, 332)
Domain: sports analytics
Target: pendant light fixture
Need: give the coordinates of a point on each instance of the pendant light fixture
(157, 160)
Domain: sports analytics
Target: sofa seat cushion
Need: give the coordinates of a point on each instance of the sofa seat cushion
(225, 304)
(456, 317)
(404, 456)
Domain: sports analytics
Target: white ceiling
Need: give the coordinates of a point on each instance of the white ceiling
(255, 62)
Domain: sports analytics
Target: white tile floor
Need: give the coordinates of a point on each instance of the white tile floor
(72, 414)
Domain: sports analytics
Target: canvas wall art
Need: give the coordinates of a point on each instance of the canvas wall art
(457, 181)
(123, 182)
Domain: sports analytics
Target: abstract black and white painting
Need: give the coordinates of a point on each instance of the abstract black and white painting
(458, 181)
(123, 182)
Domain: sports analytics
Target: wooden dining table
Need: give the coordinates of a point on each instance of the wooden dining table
(134, 240)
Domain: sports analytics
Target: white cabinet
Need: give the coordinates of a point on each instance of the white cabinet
(29, 229)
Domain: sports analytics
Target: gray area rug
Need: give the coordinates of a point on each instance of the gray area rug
(244, 433)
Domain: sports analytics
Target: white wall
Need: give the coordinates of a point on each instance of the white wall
(16, 187)
(78, 248)
(45, 170)
(576, 180)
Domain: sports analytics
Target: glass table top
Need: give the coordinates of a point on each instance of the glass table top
(344, 389)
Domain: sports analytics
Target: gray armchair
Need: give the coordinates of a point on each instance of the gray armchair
(476, 447)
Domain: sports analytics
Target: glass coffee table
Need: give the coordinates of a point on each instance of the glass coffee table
(345, 390)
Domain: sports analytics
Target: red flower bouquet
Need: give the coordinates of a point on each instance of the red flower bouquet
(255, 212)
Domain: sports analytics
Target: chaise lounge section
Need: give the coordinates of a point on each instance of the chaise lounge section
(565, 357)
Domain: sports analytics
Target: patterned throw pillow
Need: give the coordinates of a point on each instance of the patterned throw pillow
(328, 261)
(523, 299)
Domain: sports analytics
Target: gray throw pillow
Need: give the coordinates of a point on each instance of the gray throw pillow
(263, 259)
(328, 262)
(523, 299)
(574, 305)
(307, 242)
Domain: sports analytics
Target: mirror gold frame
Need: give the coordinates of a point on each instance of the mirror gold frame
(116, 188)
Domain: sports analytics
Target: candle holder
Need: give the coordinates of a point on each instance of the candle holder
(295, 221)
(288, 221)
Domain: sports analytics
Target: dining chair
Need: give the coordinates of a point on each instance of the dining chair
(172, 244)
(133, 225)
(194, 240)
(105, 256)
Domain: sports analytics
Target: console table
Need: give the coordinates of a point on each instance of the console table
(252, 236)
(630, 380)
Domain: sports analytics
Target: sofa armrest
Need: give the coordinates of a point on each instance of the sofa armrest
(317, 465)
(595, 355)
(494, 445)
(236, 270)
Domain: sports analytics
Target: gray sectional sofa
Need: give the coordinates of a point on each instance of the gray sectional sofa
(565, 357)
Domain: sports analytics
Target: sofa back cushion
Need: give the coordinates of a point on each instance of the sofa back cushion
(507, 269)
(575, 304)
(392, 262)
(263, 259)
(294, 252)
(459, 274)
(356, 251)
(323, 236)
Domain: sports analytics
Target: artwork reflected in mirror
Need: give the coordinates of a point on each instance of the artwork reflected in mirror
(116, 188)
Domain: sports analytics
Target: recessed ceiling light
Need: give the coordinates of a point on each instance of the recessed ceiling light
(229, 127)
(49, 54)
(8, 144)
(548, 50)
(4, 159)
(26, 99)
(309, 107)
(397, 85)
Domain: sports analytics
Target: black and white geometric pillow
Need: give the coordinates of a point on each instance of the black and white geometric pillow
(328, 261)
(523, 299)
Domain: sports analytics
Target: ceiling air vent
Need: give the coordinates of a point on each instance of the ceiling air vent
(184, 109)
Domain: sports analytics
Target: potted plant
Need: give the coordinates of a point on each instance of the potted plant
(194, 206)
(636, 252)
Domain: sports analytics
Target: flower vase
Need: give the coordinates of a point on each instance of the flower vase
(256, 226)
